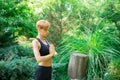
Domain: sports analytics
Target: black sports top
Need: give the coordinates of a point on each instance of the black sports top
(44, 48)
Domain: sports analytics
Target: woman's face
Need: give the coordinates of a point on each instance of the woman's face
(44, 32)
(43, 27)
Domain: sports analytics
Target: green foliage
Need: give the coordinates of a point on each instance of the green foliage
(97, 46)
(114, 68)
(101, 46)
(16, 51)
(59, 71)
(112, 12)
(94, 36)
(58, 14)
(15, 20)
(17, 69)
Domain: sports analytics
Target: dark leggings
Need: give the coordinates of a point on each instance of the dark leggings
(43, 73)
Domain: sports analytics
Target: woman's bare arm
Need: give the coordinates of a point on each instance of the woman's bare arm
(53, 49)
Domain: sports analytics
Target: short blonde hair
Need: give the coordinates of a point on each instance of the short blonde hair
(43, 24)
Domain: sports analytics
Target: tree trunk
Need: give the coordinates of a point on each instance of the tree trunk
(77, 66)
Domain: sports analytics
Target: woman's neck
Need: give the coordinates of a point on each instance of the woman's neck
(41, 37)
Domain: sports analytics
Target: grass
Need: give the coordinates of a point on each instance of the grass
(101, 46)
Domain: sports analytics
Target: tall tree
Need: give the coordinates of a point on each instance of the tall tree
(16, 18)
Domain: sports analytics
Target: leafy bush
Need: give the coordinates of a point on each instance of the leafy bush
(16, 51)
(114, 68)
(17, 69)
(59, 71)
(24, 69)
(16, 19)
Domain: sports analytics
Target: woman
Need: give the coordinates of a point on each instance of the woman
(43, 52)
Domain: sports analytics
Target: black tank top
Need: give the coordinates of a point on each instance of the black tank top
(44, 48)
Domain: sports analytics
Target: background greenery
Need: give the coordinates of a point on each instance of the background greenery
(90, 27)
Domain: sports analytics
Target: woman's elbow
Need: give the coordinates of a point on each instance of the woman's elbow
(38, 60)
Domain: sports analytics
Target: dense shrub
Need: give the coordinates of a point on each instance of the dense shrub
(59, 71)
(17, 69)
(15, 51)
(114, 68)
(16, 19)
(24, 69)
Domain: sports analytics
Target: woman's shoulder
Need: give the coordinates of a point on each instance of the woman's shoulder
(35, 43)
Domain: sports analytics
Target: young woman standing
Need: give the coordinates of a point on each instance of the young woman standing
(43, 51)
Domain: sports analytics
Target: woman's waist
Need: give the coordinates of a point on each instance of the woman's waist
(46, 63)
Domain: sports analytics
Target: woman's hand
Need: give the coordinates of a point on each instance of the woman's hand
(52, 50)
(55, 53)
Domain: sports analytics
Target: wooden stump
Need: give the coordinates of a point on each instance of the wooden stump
(77, 66)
